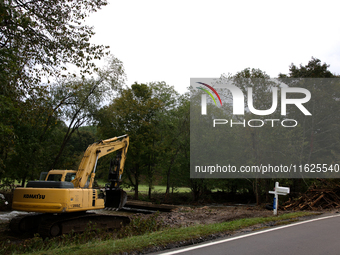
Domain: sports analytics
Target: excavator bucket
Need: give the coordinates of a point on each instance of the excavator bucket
(115, 198)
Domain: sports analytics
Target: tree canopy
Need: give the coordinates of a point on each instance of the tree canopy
(41, 37)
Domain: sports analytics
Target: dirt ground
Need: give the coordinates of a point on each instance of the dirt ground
(186, 216)
(182, 215)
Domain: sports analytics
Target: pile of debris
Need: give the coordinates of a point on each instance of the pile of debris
(319, 196)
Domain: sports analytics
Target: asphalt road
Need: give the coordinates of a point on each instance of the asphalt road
(316, 236)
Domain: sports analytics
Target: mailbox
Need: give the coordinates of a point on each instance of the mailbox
(282, 190)
(278, 191)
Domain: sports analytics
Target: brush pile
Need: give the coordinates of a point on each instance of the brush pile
(320, 195)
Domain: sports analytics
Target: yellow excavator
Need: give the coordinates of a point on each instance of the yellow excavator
(61, 200)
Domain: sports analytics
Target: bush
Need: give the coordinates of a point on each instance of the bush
(140, 226)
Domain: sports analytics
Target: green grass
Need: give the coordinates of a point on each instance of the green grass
(161, 189)
(143, 188)
(162, 238)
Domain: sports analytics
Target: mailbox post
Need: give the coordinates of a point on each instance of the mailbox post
(278, 191)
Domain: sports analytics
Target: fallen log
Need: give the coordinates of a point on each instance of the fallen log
(321, 195)
(150, 206)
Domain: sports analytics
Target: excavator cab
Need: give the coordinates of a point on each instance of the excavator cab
(58, 175)
(43, 176)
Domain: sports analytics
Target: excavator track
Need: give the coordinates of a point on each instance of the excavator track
(25, 223)
(48, 225)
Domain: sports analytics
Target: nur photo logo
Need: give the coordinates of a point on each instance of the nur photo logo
(288, 96)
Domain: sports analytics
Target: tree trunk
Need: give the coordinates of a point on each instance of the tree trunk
(169, 172)
(168, 181)
(136, 183)
(150, 176)
(136, 191)
(23, 181)
(149, 192)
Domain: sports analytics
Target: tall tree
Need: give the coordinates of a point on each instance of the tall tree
(254, 146)
(134, 113)
(77, 99)
(314, 69)
(38, 39)
(317, 138)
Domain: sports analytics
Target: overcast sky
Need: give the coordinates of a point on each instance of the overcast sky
(174, 41)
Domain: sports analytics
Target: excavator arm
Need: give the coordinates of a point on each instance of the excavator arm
(87, 167)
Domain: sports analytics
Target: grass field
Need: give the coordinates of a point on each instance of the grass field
(161, 189)
(145, 188)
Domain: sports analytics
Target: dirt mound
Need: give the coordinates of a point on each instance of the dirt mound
(186, 216)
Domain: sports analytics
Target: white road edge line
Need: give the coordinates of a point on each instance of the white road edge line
(244, 236)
